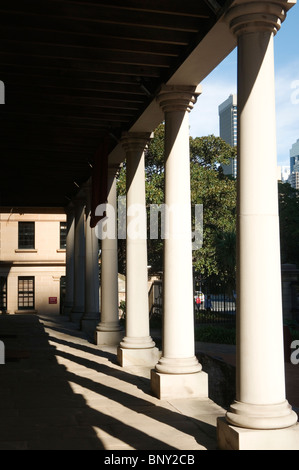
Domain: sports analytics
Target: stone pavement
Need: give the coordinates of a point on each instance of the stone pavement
(61, 392)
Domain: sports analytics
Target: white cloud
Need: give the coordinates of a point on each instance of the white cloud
(204, 119)
(287, 109)
(216, 88)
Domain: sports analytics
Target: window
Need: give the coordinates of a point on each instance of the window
(3, 293)
(26, 293)
(26, 235)
(63, 232)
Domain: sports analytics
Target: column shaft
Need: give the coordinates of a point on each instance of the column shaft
(260, 398)
(137, 346)
(260, 372)
(258, 228)
(91, 312)
(178, 284)
(79, 272)
(70, 254)
(178, 372)
(108, 330)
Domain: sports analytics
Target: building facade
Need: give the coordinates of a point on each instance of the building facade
(32, 261)
(294, 178)
(228, 113)
(294, 155)
(294, 166)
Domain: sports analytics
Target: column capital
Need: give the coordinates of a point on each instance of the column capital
(87, 188)
(135, 141)
(256, 15)
(70, 209)
(113, 169)
(80, 198)
(178, 97)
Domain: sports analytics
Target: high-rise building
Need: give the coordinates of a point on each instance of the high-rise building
(294, 155)
(228, 130)
(294, 165)
(294, 176)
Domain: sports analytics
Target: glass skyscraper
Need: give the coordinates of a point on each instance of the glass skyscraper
(294, 155)
(294, 165)
(228, 130)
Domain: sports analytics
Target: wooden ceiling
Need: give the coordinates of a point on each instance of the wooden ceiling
(75, 71)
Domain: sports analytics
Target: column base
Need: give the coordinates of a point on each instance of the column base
(76, 314)
(89, 324)
(138, 357)
(178, 365)
(67, 309)
(273, 416)
(170, 386)
(108, 338)
(235, 438)
(138, 342)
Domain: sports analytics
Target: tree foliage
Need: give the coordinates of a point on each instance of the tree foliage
(209, 187)
(289, 223)
(217, 193)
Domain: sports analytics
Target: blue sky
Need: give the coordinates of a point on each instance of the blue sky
(222, 82)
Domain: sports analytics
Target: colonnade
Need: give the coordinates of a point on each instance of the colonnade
(260, 415)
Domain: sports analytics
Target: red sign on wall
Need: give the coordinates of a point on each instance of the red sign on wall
(52, 300)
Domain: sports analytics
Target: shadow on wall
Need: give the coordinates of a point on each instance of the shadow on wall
(49, 305)
(222, 379)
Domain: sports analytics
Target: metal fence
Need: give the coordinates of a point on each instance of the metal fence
(217, 305)
(155, 299)
(214, 306)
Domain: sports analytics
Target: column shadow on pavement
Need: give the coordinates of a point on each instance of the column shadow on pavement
(38, 408)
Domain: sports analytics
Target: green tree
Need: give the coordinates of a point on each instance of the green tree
(217, 193)
(289, 223)
(210, 187)
(226, 254)
(154, 193)
(121, 191)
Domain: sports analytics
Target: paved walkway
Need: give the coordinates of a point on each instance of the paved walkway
(59, 391)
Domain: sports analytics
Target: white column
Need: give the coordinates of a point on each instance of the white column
(178, 373)
(70, 254)
(91, 312)
(260, 399)
(108, 331)
(137, 347)
(79, 272)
